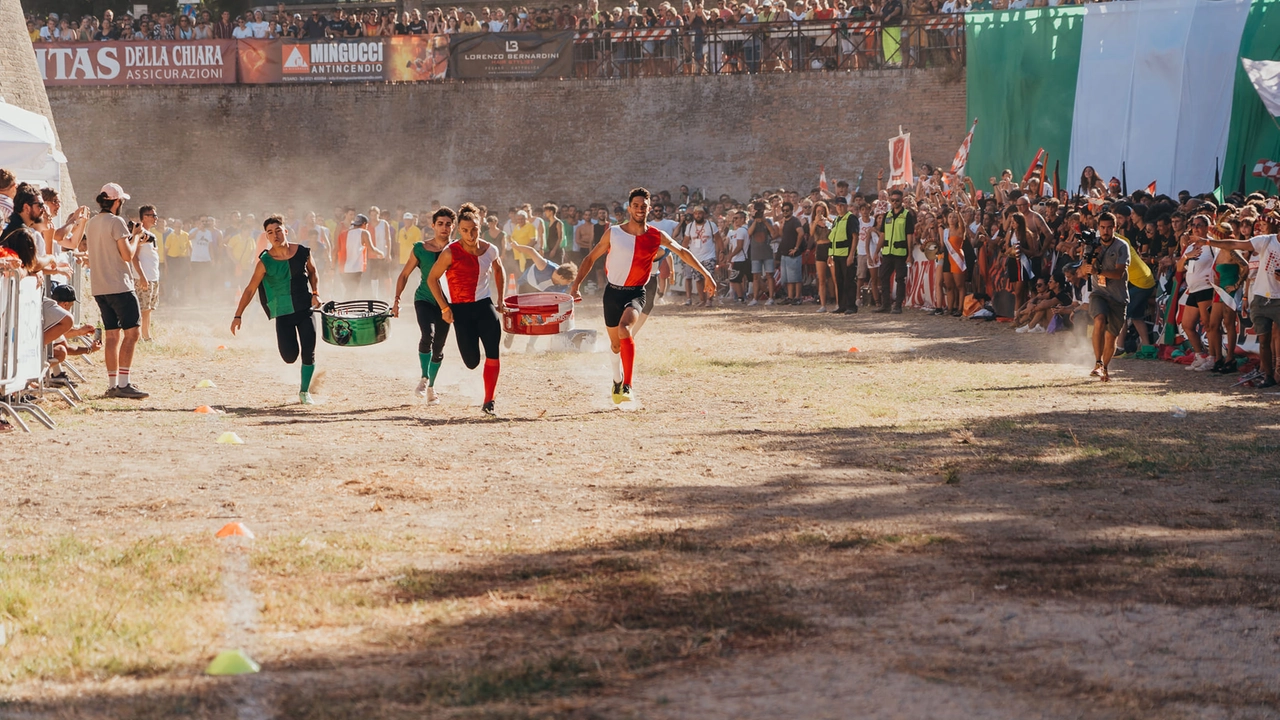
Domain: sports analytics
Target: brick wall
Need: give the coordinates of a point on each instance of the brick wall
(253, 148)
(20, 82)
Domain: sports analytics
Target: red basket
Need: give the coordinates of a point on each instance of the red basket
(543, 313)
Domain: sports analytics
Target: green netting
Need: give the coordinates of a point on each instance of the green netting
(1253, 135)
(1021, 86)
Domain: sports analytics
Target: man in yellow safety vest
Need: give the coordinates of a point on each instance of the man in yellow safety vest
(898, 228)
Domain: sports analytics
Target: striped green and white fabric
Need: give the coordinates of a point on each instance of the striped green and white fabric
(1154, 84)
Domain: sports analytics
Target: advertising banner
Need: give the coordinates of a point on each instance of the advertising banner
(417, 58)
(300, 61)
(192, 62)
(513, 55)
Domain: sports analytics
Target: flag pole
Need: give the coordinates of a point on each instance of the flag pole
(1124, 180)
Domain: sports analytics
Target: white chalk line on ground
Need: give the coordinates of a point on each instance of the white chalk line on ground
(247, 691)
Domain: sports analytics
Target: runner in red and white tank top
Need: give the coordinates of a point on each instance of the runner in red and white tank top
(630, 259)
(631, 249)
(471, 265)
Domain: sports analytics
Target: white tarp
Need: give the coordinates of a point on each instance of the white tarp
(1265, 76)
(1153, 90)
(28, 146)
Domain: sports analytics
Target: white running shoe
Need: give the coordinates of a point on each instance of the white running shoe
(422, 388)
(769, 301)
(753, 302)
(1205, 362)
(1023, 329)
(822, 309)
(305, 399)
(1196, 363)
(432, 397)
(1036, 329)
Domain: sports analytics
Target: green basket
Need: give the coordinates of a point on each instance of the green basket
(355, 323)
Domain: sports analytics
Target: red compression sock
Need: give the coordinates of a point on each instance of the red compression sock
(628, 359)
(490, 377)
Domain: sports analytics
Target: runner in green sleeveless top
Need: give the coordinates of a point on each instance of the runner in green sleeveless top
(286, 283)
(433, 327)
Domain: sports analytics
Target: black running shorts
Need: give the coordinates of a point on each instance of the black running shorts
(618, 298)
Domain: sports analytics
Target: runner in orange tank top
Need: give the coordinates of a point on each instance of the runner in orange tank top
(630, 249)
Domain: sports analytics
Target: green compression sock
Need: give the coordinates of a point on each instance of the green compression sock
(433, 369)
(424, 360)
(307, 372)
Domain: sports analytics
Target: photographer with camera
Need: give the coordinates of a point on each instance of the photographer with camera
(1107, 262)
(1264, 304)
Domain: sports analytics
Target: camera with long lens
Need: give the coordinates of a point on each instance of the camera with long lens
(1089, 243)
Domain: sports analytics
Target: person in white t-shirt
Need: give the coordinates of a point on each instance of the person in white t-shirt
(357, 248)
(700, 239)
(260, 28)
(667, 225)
(1264, 302)
(739, 266)
(381, 270)
(203, 245)
(149, 265)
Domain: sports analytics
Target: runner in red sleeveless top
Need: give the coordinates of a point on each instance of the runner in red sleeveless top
(631, 249)
(471, 265)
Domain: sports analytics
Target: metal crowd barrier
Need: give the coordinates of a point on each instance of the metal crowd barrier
(22, 352)
(815, 46)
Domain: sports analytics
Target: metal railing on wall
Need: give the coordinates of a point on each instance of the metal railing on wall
(770, 48)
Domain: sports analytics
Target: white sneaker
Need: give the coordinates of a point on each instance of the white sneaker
(1205, 362)
(753, 302)
(1196, 363)
(1036, 329)
(432, 397)
(305, 399)
(822, 309)
(422, 388)
(1023, 329)
(769, 301)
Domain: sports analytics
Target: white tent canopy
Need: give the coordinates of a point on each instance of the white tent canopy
(28, 147)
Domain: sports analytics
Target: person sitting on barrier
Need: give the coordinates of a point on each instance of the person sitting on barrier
(59, 327)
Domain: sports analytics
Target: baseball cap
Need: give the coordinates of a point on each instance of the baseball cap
(63, 293)
(407, 216)
(360, 220)
(114, 192)
(841, 200)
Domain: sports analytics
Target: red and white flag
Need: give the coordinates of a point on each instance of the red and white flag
(1151, 189)
(900, 159)
(1040, 156)
(962, 155)
(822, 179)
(1267, 169)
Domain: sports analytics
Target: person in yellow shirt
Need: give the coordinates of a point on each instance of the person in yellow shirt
(242, 249)
(407, 236)
(523, 233)
(177, 259)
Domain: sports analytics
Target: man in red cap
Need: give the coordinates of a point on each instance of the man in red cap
(113, 255)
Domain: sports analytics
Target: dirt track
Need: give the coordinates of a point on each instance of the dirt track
(953, 522)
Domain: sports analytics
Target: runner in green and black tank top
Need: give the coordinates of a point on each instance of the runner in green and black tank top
(286, 283)
(432, 326)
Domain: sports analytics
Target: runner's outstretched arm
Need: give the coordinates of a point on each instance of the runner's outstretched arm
(247, 296)
(584, 271)
(688, 259)
(433, 283)
(403, 280)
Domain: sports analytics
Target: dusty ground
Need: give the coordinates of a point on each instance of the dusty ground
(953, 522)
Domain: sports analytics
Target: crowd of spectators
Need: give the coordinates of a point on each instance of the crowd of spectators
(205, 24)
(1179, 277)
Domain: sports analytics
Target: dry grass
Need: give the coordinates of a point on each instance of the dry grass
(76, 609)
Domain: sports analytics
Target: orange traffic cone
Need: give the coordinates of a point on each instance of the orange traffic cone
(234, 529)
